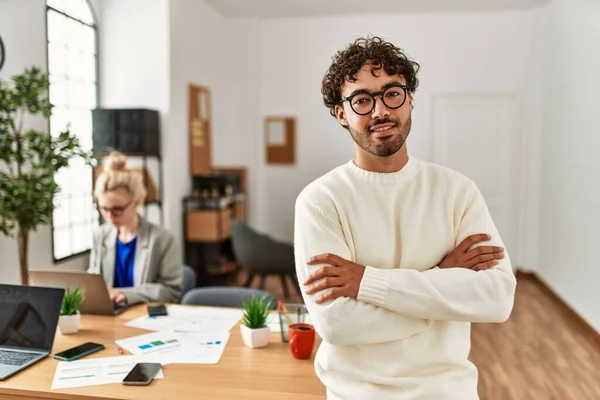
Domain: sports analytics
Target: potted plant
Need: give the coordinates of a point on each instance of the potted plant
(68, 322)
(254, 329)
(29, 159)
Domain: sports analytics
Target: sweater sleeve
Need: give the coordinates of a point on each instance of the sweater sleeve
(343, 321)
(455, 294)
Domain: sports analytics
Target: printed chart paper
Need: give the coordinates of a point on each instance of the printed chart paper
(178, 347)
(95, 371)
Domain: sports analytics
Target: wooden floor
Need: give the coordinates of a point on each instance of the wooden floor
(538, 354)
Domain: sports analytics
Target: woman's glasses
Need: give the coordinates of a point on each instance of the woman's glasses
(117, 210)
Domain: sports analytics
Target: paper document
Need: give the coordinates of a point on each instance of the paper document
(178, 347)
(210, 347)
(95, 371)
(190, 319)
(151, 343)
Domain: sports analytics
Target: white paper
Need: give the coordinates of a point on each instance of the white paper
(95, 371)
(178, 347)
(276, 136)
(203, 105)
(190, 319)
(152, 343)
(210, 347)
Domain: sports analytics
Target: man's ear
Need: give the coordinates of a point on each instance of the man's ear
(411, 100)
(340, 115)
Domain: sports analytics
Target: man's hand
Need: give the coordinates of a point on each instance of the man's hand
(341, 276)
(117, 296)
(478, 259)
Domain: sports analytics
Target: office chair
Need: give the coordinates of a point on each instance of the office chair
(261, 255)
(224, 296)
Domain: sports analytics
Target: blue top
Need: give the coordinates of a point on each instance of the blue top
(124, 264)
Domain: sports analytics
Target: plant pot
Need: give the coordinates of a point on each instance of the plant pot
(69, 324)
(255, 338)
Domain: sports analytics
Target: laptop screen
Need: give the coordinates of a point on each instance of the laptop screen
(29, 316)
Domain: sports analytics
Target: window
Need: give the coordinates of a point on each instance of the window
(72, 61)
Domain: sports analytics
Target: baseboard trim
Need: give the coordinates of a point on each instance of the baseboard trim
(578, 322)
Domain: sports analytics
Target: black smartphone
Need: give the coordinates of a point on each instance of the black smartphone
(79, 351)
(157, 311)
(142, 374)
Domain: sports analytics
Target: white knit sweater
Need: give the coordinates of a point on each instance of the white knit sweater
(407, 336)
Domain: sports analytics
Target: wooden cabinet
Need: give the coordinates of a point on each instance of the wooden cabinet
(208, 225)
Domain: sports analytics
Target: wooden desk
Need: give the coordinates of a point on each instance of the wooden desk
(242, 373)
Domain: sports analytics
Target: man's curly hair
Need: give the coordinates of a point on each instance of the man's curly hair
(379, 54)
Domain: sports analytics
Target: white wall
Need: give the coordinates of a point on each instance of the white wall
(134, 71)
(197, 55)
(570, 189)
(23, 30)
(240, 140)
(458, 52)
(134, 54)
(528, 224)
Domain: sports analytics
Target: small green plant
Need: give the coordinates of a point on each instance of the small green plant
(72, 301)
(256, 312)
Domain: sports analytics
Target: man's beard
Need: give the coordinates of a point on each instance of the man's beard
(382, 147)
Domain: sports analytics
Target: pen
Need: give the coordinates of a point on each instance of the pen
(284, 312)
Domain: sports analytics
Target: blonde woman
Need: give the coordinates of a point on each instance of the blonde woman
(140, 261)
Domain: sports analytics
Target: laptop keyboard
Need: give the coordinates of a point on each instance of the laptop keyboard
(16, 357)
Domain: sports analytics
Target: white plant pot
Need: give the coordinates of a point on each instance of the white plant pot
(255, 338)
(69, 324)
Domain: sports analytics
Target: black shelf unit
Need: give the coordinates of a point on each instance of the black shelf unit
(135, 132)
(207, 217)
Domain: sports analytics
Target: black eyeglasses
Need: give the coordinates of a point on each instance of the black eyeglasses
(115, 210)
(363, 103)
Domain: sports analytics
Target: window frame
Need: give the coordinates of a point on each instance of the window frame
(94, 26)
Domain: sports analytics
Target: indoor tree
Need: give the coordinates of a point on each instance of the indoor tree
(29, 159)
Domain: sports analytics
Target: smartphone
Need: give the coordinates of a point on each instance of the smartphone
(157, 311)
(79, 351)
(142, 374)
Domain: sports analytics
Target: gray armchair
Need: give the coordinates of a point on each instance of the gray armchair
(261, 255)
(189, 280)
(224, 296)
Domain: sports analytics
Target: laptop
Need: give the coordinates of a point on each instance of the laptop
(97, 299)
(28, 320)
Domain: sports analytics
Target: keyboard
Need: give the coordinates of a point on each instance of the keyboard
(8, 357)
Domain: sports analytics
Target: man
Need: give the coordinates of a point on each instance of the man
(397, 256)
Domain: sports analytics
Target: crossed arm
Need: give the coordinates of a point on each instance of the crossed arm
(343, 320)
(477, 289)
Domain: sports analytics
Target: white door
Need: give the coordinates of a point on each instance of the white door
(477, 135)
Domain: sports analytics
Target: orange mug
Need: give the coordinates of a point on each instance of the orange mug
(302, 340)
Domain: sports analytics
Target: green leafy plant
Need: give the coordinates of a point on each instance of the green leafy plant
(72, 301)
(29, 159)
(256, 312)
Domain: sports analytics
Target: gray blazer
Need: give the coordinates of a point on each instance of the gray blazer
(157, 268)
